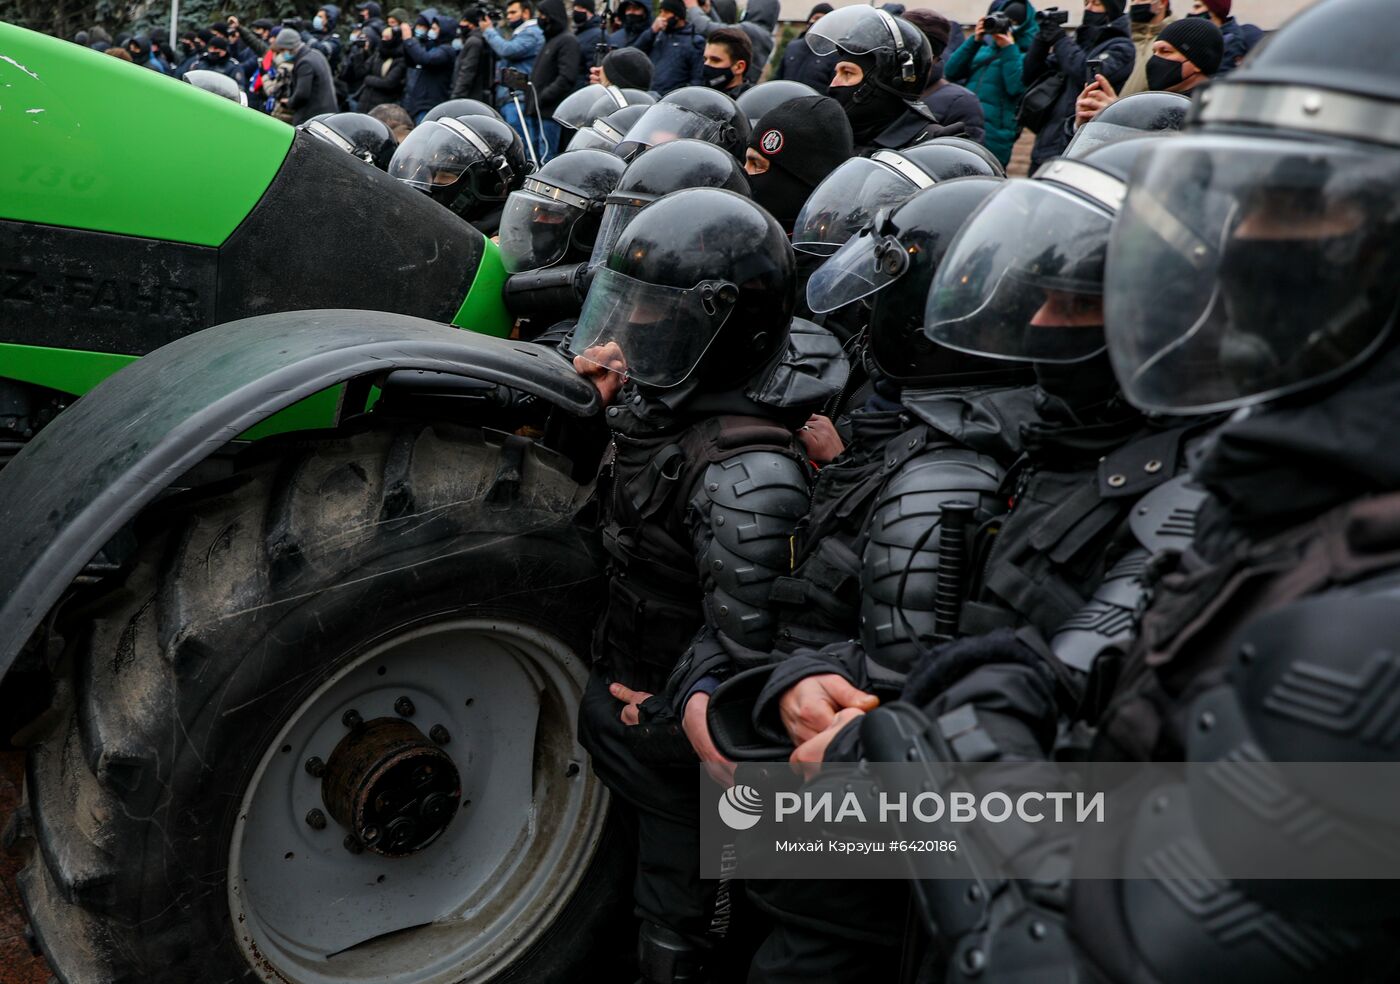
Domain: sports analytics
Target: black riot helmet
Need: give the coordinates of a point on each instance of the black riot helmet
(554, 217)
(1129, 117)
(670, 167)
(461, 107)
(1277, 217)
(1023, 281)
(847, 200)
(607, 132)
(581, 108)
(696, 112)
(891, 263)
(696, 294)
(894, 57)
(358, 134)
(468, 164)
(217, 83)
(770, 95)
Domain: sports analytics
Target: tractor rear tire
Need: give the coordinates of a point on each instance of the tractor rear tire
(431, 550)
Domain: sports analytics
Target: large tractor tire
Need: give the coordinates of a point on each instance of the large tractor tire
(324, 731)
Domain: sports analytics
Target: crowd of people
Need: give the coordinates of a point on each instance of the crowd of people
(1017, 69)
(827, 327)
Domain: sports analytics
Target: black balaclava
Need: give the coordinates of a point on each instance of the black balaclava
(804, 140)
(870, 108)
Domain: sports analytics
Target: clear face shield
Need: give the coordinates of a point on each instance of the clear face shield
(1244, 270)
(849, 197)
(538, 225)
(651, 335)
(620, 210)
(1023, 281)
(665, 122)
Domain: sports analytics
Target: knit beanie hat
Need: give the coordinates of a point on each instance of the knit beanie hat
(287, 39)
(1220, 8)
(628, 68)
(1199, 40)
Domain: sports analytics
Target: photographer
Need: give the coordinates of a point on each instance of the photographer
(1187, 54)
(385, 73)
(676, 50)
(471, 77)
(990, 64)
(428, 50)
(517, 52)
(1058, 67)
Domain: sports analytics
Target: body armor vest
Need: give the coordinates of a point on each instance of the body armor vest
(654, 590)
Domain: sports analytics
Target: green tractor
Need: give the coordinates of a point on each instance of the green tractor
(296, 573)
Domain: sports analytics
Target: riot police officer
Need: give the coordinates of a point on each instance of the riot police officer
(696, 112)
(469, 164)
(883, 68)
(684, 340)
(358, 134)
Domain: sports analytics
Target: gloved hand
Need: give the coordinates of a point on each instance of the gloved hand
(1050, 33)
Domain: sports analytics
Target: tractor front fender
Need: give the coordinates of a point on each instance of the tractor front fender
(109, 455)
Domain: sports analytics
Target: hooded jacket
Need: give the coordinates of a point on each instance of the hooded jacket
(677, 57)
(385, 72)
(624, 38)
(556, 68)
(995, 75)
(430, 65)
(1061, 53)
(760, 20)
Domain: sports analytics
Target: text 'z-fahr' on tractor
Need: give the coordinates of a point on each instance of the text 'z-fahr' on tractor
(296, 607)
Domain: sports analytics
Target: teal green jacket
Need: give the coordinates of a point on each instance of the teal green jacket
(995, 75)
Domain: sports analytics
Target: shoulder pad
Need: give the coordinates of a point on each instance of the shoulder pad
(1107, 620)
(1165, 518)
(1141, 465)
(749, 507)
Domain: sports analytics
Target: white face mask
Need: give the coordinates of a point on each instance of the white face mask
(432, 35)
(318, 23)
(457, 43)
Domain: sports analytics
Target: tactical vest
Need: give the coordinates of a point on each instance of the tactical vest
(1066, 527)
(1187, 636)
(645, 489)
(819, 603)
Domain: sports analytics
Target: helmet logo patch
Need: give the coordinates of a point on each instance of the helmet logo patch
(771, 142)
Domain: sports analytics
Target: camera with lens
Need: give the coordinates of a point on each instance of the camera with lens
(491, 10)
(1051, 15)
(997, 23)
(513, 78)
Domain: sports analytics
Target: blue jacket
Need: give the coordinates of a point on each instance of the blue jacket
(996, 76)
(588, 38)
(519, 52)
(1236, 46)
(430, 73)
(801, 64)
(1069, 55)
(677, 58)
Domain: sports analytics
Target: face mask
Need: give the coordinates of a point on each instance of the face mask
(514, 22)
(581, 17)
(1141, 13)
(217, 56)
(1163, 73)
(634, 22)
(1095, 18)
(716, 78)
(433, 34)
(780, 193)
(420, 32)
(318, 23)
(869, 110)
(457, 43)
(1204, 13)
(672, 26)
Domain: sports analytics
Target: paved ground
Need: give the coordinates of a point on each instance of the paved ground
(17, 965)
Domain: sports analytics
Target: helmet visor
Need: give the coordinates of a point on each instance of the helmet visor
(649, 334)
(665, 122)
(1095, 134)
(217, 83)
(1244, 270)
(1024, 278)
(857, 30)
(537, 226)
(846, 201)
(577, 109)
(432, 156)
(618, 213)
(867, 263)
(592, 138)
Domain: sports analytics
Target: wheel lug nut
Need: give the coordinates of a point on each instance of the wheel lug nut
(352, 719)
(403, 707)
(439, 734)
(316, 820)
(370, 835)
(315, 767)
(353, 845)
